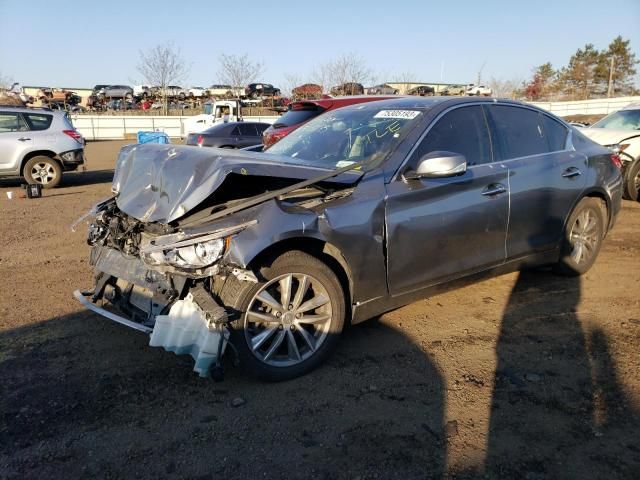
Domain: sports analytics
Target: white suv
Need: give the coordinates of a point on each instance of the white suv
(38, 144)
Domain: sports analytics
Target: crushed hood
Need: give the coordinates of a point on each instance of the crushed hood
(608, 136)
(161, 183)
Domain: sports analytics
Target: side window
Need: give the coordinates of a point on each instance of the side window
(556, 134)
(247, 130)
(235, 132)
(12, 122)
(261, 128)
(39, 121)
(463, 130)
(519, 131)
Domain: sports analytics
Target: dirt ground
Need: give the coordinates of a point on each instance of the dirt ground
(526, 376)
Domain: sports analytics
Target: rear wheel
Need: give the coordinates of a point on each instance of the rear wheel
(582, 238)
(289, 323)
(43, 170)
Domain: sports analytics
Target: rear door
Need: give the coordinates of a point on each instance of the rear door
(545, 177)
(15, 141)
(442, 228)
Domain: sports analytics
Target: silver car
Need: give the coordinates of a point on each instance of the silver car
(38, 144)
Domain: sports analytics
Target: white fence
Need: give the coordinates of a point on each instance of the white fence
(108, 127)
(112, 127)
(602, 106)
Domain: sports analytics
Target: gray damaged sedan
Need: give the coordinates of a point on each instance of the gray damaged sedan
(355, 213)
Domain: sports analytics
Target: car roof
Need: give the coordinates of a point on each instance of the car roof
(426, 103)
(18, 109)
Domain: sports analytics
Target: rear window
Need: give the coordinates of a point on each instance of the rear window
(39, 121)
(295, 117)
(520, 132)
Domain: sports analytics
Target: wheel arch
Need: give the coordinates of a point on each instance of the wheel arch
(596, 192)
(322, 250)
(37, 153)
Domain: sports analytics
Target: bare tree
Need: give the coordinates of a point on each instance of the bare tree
(504, 88)
(291, 81)
(347, 68)
(405, 80)
(162, 66)
(238, 71)
(5, 81)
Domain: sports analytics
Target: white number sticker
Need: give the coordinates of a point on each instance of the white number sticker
(408, 114)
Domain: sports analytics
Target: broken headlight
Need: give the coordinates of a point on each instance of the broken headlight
(197, 255)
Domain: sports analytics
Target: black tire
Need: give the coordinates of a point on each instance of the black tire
(582, 237)
(43, 170)
(240, 296)
(632, 181)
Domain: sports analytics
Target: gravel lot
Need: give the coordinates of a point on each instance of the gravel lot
(523, 376)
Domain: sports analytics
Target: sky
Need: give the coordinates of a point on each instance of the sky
(80, 44)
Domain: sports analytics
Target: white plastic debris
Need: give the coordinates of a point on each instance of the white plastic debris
(184, 331)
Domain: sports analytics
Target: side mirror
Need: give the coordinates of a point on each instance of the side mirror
(439, 165)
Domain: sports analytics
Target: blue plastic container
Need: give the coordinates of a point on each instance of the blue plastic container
(153, 137)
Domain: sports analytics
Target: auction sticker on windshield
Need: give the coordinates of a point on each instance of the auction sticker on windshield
(408, 114)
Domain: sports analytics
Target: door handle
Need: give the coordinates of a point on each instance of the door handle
(23, 139)
(571, 172)
(494, 189)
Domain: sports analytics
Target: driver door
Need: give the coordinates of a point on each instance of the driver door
(439, 229)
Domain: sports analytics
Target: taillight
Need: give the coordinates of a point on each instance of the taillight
(74, 134)
(200, 140)
(615, 159)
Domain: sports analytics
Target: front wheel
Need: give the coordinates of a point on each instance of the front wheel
(289, 323)
(43, 170)
(632, 181)
(582, 238)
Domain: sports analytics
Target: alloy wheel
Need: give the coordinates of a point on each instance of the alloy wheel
(43, 173)
(584, 236)
(288, 319)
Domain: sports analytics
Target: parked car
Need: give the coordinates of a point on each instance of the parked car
(300, 112)
(141, 91)
(351, 215)
(174, 91)
(229, 135)
(454, 90)
(255, 90)
(307, 91)
(422, 91)
(382, 89)
(224, 91)
(478, 90)
(349, 88)
(197, 92)
(621, 131)
(116, 91)
(39, 145)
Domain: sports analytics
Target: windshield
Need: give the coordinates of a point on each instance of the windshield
(621, 120)
(341, 137)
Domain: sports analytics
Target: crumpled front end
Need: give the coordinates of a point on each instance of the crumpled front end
(176, 228)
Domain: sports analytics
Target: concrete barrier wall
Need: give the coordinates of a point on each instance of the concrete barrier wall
(601, 106)
(112, 127)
